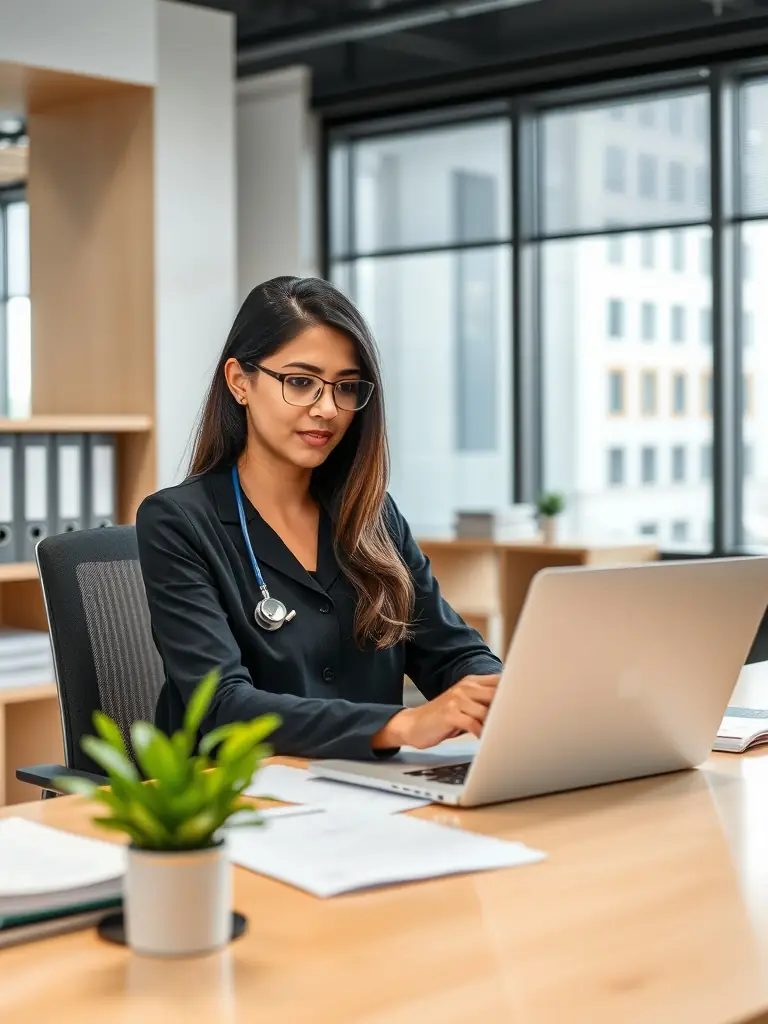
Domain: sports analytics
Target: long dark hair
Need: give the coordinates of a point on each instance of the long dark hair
(353, 479)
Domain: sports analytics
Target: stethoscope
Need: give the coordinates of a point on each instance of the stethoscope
(269, 613)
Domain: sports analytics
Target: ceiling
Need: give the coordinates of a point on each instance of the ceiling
(366, 46)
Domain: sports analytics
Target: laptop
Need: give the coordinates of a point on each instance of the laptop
(612, 673)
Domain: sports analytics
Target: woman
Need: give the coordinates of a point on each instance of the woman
(291, 458)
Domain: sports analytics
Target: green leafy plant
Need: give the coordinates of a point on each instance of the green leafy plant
(550, 504)
(190, 795)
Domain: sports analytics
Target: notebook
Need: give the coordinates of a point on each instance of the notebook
(52, 880)
(741, 729)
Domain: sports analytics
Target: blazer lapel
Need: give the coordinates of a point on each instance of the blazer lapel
(267, 545)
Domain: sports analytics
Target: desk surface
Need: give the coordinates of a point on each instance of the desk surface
(652, 907)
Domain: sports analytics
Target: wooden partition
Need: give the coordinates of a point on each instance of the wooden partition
(90, 188)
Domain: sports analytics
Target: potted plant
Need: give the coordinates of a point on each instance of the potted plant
(177, 893)
(549, 506)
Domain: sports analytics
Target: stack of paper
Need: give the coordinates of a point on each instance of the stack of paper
(25, 657)
(297, 786)
(334, 852)
(50, 879)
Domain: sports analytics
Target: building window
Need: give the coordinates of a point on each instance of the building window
(705, 326)
(706, 462)
(648, 464)
(615, 318)
(676, 117)
(616, 392)
(615, 249)
(748, 460)
(679, 463)
(707, 394)
(616, 112)
(615, 466)
(648, 392)
(677, 323)
(680, 530)
(676, 182)
(747, 328)
(615, 169)
(648, 529)
(646, 114)
(646, 250)
(705, 256)
(647, 175)
(677, 247)
(701, 186)
(678, 394)
(648, 321)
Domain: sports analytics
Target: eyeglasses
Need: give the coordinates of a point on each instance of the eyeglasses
(305, 389)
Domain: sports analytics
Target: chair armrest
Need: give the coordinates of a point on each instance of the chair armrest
(42, 775)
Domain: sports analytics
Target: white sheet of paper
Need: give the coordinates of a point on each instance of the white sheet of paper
(337, 852)
(297, 786)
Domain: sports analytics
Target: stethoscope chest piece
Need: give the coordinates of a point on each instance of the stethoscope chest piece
(271, 614)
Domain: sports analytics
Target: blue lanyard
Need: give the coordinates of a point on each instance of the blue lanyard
(244, 528)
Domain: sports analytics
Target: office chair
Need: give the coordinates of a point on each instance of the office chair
(103, 652)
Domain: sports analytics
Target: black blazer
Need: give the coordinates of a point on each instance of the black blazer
(331, 695)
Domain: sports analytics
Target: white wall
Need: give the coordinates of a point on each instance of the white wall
(195, 233)
(114, 38)
(276, 177)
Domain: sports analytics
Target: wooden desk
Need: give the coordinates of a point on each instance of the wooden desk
(487, 581)
(30, 733)
(651, 908)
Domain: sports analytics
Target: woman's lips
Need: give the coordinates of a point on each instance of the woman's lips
(315, 438)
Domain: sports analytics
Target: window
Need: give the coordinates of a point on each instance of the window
(648, 529)
(647, 250)
(678, 394)
(648, 389)
(647, 172)
(615, 466)
(706, 462)
(676, 182)
(707, 394)
(15, 314)
(648, 321)
(616, 112)
(746, 394)
(705, 256)
(748, 460)
(705, 326)
(746, 262)
(615, 169)
(747, 328)
(700, 111)
(646, 114)
(615, 318)
(677, 323)
(648, 464)
(701, 185)
(677, 250)
(616, 392)
(680, 530)
(678, 464)
(615, 249)
(676, 112)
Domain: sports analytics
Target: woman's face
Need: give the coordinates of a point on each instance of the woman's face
(303, 435)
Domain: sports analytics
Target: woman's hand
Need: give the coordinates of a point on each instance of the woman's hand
(462, 708)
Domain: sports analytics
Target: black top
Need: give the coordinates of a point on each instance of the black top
(331, 695)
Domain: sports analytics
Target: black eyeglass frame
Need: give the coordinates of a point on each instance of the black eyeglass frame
(305, 373)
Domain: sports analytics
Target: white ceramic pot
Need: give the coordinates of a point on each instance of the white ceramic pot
(549, 529)
(178, 903)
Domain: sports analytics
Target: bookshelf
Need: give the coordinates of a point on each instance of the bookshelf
(90, 188)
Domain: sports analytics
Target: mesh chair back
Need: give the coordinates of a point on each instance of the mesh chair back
(101, 636)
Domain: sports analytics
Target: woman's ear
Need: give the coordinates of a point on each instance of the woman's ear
(237, 380)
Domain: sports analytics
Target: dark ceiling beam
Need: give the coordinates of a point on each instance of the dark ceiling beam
(274, 46)
(416, 44)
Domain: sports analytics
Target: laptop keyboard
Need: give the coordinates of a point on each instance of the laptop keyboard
(451, 774)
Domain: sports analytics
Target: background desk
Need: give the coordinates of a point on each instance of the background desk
(652, 908)
(486, 581)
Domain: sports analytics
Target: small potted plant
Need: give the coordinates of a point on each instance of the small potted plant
(177, 892)
(549, 506)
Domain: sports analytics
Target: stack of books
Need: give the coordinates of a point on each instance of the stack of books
(25, 657)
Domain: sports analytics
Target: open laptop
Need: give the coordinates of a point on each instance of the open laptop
(612, 673)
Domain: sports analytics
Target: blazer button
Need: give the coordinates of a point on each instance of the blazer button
(325, 608)
(328, 675)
